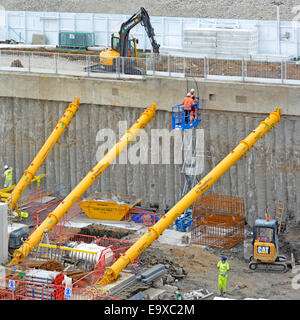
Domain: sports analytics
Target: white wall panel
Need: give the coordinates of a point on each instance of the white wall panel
(169, 31)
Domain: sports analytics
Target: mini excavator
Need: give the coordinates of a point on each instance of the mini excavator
(125, 45)
(266, 244)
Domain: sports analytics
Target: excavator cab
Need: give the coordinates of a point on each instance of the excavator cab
(108, 56)
(265, 246)
(265, 240)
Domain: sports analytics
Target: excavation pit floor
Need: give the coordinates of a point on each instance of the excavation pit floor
(191, 267)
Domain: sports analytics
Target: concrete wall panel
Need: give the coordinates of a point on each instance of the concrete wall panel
(269, 172)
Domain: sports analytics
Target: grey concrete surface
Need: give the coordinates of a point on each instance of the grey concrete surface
(30, 107)
(137, 93)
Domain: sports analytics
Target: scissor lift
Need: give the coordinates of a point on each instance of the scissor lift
(181, 119)
(187, 121)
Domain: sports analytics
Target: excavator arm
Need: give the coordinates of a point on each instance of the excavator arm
(142, 17)
(112, 272)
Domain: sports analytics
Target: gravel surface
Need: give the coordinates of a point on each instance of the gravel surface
(226, 9)
(200, 272)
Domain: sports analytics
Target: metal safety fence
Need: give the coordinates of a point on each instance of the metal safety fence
(16, 289)
(88, 65)
(81, 252)
(63, 271)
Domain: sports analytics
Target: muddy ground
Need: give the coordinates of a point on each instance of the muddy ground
(200, 267)
(194, 267)
(101, 231)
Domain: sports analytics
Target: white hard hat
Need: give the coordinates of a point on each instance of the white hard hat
(192, 90)
(5, 167)
(188, 94)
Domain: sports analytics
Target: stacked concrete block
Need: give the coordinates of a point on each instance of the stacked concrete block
(237, 42)
(200, 41)
(221, 42)
(3, 233)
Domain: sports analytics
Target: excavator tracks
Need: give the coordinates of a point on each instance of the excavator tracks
(97, 68)
(277, 266)
(129, 69)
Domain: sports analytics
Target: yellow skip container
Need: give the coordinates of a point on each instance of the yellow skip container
(108, 206)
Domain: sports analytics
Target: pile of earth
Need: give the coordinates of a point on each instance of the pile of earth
(104, 231)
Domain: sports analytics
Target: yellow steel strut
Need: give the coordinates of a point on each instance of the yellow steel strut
(29, 174)
(112, 272)
(85, 183)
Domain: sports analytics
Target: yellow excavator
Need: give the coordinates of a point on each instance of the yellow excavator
(125, 45)
(265, 243)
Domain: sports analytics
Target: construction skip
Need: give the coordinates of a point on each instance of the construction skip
(107, 206)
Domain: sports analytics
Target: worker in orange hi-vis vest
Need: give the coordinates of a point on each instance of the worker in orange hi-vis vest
(187, 103)
(194, 107)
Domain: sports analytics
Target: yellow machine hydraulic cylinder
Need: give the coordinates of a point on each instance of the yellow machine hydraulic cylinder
(29, 174)
(112, 272)
(54, 217)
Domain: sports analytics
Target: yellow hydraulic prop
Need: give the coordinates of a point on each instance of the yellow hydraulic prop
(29, 174)
(85, 183)
(112, 272)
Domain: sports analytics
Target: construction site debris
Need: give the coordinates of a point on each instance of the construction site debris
(50, 265)
(126, 281)
(197, 294)
(185, 239)
(158, 283)
(145, 218)
(152, 273)
(138, 296)
(17, 64)
(103, 231)
(165, 267)
(184, 222)
(169, 288)
(76, 275)
(153, 293)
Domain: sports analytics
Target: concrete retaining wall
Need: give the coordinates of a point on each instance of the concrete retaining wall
(215, 95)
(30, 107)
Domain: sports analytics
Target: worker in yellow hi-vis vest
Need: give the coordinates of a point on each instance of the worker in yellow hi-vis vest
(7, 176)
(223, 267)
